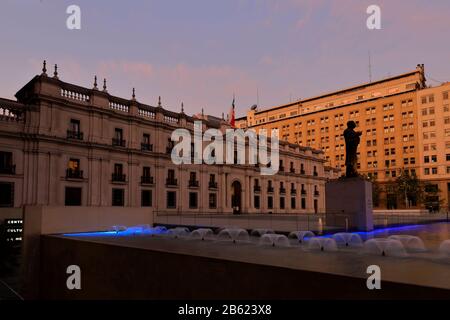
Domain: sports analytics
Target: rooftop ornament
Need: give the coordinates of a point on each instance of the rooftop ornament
(44, 68)
(159, 102)
(95, 83)
(55, 73)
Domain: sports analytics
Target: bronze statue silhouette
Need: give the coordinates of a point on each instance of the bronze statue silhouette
(352, 139)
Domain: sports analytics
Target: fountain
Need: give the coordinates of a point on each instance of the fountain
(322, 244)
(119, 228)
(233, 234)
(160, 229)
(411, 243)
(348, 239)
(444, 248)
(202, 234)
(385, 247)
(261, 232)
(274, 240)
(178, 232)
(301, 236)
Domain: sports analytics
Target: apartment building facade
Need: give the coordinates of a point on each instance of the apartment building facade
(389, 114)
(66, 145)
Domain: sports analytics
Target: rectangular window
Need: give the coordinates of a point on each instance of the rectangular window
(73, 196)
(256, 202)
(146, 198)
(171, 199)
(212, 200)
(193, 200)
(118, 197)
(118, 134)
(75, 125)
(282, 203)
(293, 203)
(303, 203)
(6, 162)
(6, 194)
(270, 202)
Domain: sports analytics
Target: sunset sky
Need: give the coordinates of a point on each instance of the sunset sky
(202, 51)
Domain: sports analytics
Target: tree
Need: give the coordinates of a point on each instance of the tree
(409, 189)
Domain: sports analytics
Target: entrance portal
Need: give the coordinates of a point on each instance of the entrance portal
(236, 196)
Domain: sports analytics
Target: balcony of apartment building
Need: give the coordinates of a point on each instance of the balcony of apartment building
(171, 182)
(75, 135)
(212, 184)
(282, 190)
(270, 189)
(303, 192)
(145, 179)
(316, 193)
(146, 146)
(293, 191)
(118, 177)
(256, 188)
(74, 174)
(193, 183)
(8, 169)
(292, 169)
(118, 142)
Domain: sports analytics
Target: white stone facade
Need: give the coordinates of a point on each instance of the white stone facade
(54, 122)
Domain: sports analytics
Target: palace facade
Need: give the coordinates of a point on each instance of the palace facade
(66, 145)
(405, 125)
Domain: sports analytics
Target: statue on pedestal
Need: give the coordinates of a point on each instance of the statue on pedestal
(352, 139)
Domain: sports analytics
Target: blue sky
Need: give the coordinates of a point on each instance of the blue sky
(202, 51)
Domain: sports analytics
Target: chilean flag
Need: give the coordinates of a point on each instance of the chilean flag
(232, 116)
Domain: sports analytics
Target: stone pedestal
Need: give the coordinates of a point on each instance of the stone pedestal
(350, 199)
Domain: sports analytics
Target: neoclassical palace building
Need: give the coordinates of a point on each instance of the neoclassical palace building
(66, 145)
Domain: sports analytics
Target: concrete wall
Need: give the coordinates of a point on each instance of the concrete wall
(111, 272)
(41, 220)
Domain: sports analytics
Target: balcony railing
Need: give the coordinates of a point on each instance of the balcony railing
(171, 182)
(281, 168)
(293, 192)
(302, 171)
(212, 185)
(269, 189)
(303, 192)
(316, 193)
(292, 170)
(282, 190)
(146, 180)
(77, 135)
(118, 142)
(315, 174)
(257, 188)
(193, 183)
(74, 174)
(11, 169)
(146, 147)
(118, 177)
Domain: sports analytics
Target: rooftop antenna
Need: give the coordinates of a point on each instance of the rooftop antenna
(370, 67)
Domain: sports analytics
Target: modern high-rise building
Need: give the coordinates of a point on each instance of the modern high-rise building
(405, 126)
